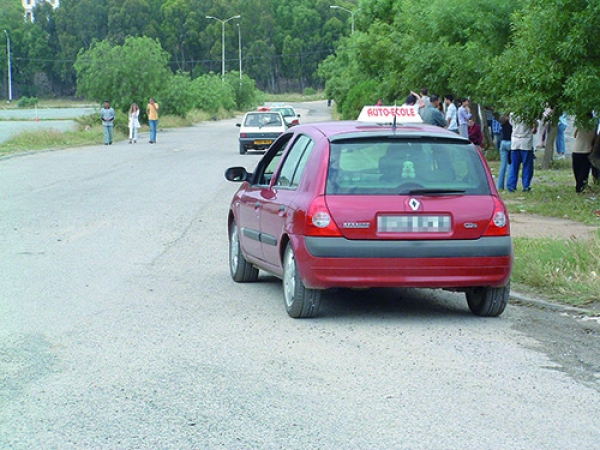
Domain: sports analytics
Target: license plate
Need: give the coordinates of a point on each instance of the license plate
(263, 142)
(414, 224)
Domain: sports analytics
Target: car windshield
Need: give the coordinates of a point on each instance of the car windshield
(399, 166)
(263, 120)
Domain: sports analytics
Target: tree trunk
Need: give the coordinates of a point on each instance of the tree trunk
(549, 149)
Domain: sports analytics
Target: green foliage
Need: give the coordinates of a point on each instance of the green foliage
(27, 102)
(211, 93)
(133, 72)
(247, 95)
(361, 94)
(177, 96)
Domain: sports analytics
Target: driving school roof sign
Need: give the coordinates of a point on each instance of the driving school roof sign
(386, 114)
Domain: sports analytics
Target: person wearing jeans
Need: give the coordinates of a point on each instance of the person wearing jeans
(504, 149)
(560, 136)
(521, 146)
(152, 111)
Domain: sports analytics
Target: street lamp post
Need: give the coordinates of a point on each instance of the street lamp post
(8, 58)
(240, 49)
(349, 12)
(223, 22)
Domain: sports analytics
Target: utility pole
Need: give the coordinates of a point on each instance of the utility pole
(8, 58)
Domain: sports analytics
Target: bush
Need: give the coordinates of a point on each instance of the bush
(360, 95)
(247, 95)
(177, 98)
(211, 93)
(309, 91)
(27, 102)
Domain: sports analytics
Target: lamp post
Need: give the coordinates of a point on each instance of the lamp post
(349, 12)
(223, 22)
(240, 49)
(9, 66)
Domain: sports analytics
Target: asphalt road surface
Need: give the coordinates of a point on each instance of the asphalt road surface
(120, 328)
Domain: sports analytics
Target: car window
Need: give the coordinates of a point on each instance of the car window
(263, 120)
(399, 166)
(266, 167)
(293, 166)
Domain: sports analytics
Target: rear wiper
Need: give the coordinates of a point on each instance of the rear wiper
(435, 191)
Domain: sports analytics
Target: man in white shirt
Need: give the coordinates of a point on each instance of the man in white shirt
(451, 113)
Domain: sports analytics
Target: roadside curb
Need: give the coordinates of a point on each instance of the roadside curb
(549, 305)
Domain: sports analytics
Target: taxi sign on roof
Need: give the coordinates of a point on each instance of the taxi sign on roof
(386, 114)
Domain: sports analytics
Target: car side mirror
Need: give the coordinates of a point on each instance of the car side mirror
(237, 174)
(238, 124)
(297, 115)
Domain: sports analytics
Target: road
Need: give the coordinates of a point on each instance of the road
(120, 328)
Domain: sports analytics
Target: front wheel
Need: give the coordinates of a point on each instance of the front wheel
(241, 270)
(488, 301)
(300, 302)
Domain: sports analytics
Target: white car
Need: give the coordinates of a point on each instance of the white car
(288, 113)
(259, 129)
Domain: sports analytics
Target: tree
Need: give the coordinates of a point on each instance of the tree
(123, 74)
(553, 59)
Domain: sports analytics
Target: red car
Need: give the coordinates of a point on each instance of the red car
(360, 205)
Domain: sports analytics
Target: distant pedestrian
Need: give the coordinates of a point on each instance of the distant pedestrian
(152, 111)
(582, 148)
(464, 114)
(107, 114)
(379, 102)
(134, 123)
(496, 132)
(521, 146)
(561, 146)
(431, 114)
(451, 113)
(504, 150)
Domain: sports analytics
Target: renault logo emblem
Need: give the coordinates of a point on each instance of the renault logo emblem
(414, 204)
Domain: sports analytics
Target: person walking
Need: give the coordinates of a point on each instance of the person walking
(583, 146)
(504, 150)
(464, 114)
(152, 111)
(521, 152)
(451, 113)
(107, 114)
(134, 122)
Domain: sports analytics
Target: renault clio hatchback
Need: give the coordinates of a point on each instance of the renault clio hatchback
(354, 204)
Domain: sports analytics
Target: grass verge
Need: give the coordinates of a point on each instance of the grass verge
(564, 270)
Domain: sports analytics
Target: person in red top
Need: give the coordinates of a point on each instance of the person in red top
(475, 135)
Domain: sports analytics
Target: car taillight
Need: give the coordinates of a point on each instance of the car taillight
(243, 135)
(499, 225)
(319, 221)
(295, 122)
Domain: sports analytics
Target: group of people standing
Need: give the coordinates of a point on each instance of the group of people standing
(515, 139)
(107, 115)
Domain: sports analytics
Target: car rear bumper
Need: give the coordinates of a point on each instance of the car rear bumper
(339, 262)
(259, 142)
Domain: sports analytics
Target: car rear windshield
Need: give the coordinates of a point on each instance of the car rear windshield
(263, 120)
(399, 166)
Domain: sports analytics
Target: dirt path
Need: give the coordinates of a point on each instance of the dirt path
(532, 226)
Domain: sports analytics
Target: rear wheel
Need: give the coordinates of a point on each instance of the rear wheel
(488, 301)
(300, 302)
(241, 270)
(242, 149)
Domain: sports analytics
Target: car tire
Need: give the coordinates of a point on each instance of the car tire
(242, 149)
(300, 302)
(241, 270)
(488, 301)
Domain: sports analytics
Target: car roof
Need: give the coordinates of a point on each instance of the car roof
(353, 129)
